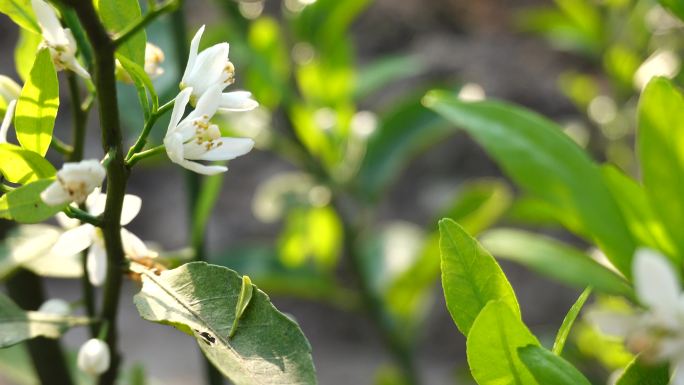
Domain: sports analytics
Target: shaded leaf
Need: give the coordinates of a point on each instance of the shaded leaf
(471, 278)
(116, 15)
(200, 299)
(637, 373)
(550, 369)
(24, 204)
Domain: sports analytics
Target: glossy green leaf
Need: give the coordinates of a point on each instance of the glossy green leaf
(17, 325)
(471, 278)
(200, 299)
(660, 142)
(492, 346)
(569, 321)
(23, 166)
(116, 16)
(25, 52)
(638, 373)
(36, 111)
(24, 204)
(547, 164)
(550, 369)
(21, 12)
(402, 133)
(554, 259)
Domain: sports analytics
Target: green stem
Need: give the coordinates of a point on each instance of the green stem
(61, 147)
(83, 216)
(79, 116)
(117, 173)
(193, 180)
(152, 14)
(142, 139)
(144, 154)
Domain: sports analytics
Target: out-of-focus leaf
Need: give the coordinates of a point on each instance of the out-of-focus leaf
(558, 28)
(37, 107)
(23, 166)
(470, 277)
(402, 133)
(675, 6)
(28, 246)
(554, 259)
(24, 204)
(326, 22)
(621, 62)
(644, 224)
(25, 52)
(311, 233)
(209, 194)
(569, 321)
(550, 369)
(116, 16)
(199, 299)
(21, 12)
(533, 211)
(384, 71)
(660, 142)
(493, 343)
(268, 70)
(637, 373)
(542, 160)
(17, 325)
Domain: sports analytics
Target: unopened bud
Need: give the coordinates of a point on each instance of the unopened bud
(93, 357)
(55, 306)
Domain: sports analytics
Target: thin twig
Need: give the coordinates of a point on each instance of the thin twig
(146, 19)
(144, 154)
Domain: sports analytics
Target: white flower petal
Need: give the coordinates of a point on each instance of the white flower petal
(96, 265)
(50, 26)
(66, 222)
(192, 56)
(207, 105)
(237, 101)
(179, 105)
(7, 120)
(131, 208)
(76, 67)
(612, 323)
(174, 147)
(209, 69)
(55, 195)
(677, 371)
(656, 283)
(203, 169)
(133, 246)
(96, 201)
(9, 89)
(230, 149)
(74, 241)
(55, 306)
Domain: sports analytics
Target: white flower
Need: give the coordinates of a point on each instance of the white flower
(60, 41)
(84, 236)
(7, 121)
(154, 56)
(658, 332)
(74, 182)
(9, 89)
(55, 306)
(195, 138)
(210, 68)
(93, 357)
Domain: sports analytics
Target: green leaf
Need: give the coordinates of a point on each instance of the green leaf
(470, 276)
(17, 325)
(402, 133)
(675, 6)
(311, 233)
(550, 369)
(554, 259)
(641, 374)
(116, 15)
(243, 301)
(209, 193)
(24, 204)
(660, 138)
(142, 82)
(385, 71)
(21, 12)
(25, 52)
(200, 299)
(23, 166)
(37, 107)
(549, 165)
(646, 227)
(568, 321)
(269, 63)
(492, 346)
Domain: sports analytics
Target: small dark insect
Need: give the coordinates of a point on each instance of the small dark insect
(208, 338)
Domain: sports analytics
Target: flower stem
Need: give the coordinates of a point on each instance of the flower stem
(117, 173)
(83, 216)
(79, 116)
(152, 14)
(149, 124)
(144, 154)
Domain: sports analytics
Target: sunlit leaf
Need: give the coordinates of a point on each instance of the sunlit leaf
(37, 107)
(549, 165)
(25, 52)
(23, 166)
(17, 325)
(569, 321)
(116, 16)
(550, 369)
(554, 259)
(200, 300)
(311, 233)
(21, 12)
(493, 343)
(471, 278)
(24, 204)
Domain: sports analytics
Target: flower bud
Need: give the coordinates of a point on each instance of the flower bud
(55, 306)
(74, 182)
(93, 357)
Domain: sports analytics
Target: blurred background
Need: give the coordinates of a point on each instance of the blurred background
(348, 159)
